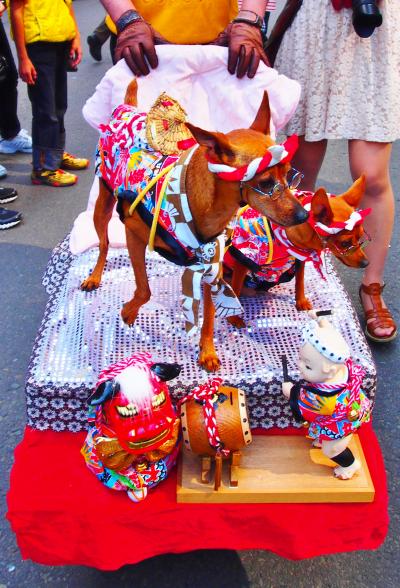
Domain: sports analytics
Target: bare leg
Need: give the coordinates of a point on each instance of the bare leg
(137, 250)
(308, 160)
(102, 214)
(372, 160)
(333, 449)
(208, 357)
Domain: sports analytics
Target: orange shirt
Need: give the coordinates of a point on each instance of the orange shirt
(186, 22)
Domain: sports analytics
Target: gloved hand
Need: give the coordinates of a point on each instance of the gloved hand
(245, 48)
(136, 43)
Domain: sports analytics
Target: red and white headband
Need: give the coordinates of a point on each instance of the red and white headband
(275, 154)
(356, 218)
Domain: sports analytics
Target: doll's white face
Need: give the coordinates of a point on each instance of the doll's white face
(313, 366)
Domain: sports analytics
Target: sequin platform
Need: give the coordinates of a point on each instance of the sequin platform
(82, 333)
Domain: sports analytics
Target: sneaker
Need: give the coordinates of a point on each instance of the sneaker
(7, 195)
(9, 218)
(3, 171)
(94, 47)
(71, 162)
(56, 178)
(22, 143)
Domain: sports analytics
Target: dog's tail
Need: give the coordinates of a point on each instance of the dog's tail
(131, 93)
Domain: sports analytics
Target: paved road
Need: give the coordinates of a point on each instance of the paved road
(24, 251)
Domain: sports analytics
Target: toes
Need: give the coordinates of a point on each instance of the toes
(304, 304)
(128, 316)
(210, 362)
(90, 284)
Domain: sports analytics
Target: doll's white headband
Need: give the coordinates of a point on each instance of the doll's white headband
(336, 350)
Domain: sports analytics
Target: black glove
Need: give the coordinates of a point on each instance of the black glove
(136, 44)
(245, 48)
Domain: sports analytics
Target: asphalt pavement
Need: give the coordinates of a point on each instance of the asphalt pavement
(24, 252)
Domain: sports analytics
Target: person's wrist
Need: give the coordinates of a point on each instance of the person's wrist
(249, 17)
(127, 18)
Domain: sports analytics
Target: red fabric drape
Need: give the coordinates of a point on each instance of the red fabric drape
(62, 514)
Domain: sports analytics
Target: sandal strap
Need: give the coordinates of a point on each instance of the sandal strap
(378, 317)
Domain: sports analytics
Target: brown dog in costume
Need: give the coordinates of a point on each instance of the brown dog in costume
(220, 174)
(334, 223)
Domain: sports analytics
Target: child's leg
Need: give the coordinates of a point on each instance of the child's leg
(45, 124)
(338, 452)
(61, 92)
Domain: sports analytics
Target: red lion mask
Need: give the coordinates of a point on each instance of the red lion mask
(134, 403)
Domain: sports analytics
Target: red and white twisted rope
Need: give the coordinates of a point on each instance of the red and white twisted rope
(206, 393)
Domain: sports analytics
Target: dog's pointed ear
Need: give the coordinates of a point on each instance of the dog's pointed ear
(103, 392)
(166, 371)
(262, 121)
(321, 208)
(355, 192)
(217, 143)
(131, 93)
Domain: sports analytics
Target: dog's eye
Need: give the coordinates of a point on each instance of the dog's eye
(266, 185)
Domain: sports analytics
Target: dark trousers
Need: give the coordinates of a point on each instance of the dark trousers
(102, 32)
(48, 97)
(9, 123)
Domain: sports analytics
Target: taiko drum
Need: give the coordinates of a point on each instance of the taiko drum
(232, 422)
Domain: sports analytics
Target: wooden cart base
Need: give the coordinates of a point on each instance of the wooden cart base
(278, 469)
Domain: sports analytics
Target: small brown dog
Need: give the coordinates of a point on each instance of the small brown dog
(212, 202)
(334, 224)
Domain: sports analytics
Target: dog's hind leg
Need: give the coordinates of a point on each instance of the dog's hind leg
(102, 215)
(238, 276)
(208, 357)
(137, 251)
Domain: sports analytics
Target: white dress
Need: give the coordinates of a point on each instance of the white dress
(350, 86)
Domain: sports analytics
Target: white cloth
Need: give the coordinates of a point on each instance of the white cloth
(215, 100)
(350, 86)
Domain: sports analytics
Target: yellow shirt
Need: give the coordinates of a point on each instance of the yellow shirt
(48, 20)
(186, 22)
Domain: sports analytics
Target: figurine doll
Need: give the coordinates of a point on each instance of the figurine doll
(133, 439)
(328, 399)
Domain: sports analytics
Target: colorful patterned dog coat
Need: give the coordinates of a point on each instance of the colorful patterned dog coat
(126, 162)
(265, 249)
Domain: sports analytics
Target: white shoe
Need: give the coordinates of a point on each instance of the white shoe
(3, 171)
(22, 143)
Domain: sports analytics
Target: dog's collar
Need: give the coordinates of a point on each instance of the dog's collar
(275, 154)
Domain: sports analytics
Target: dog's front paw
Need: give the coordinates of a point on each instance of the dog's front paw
(90, 284)
(129, 313)
(209, 360)
(236, 321)
(303, 304)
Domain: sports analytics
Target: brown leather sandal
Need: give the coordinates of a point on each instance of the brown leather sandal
(377, 317)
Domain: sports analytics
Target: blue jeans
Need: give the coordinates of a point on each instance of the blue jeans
(48, 97)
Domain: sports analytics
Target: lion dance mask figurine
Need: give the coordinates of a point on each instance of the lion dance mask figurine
(133, 439)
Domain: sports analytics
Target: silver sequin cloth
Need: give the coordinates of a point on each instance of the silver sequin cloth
(82, 333)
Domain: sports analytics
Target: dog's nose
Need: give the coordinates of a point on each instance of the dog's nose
(364, 262)
(301, 216)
